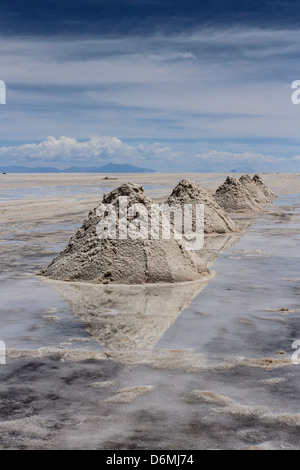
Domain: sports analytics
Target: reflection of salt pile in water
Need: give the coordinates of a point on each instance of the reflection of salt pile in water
(232, 195)
(215, 245)
(264, 188)
(128, 317)
(253, 189)
(124, 261)
(215, 218)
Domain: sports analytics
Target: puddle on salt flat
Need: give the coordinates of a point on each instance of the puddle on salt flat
(230, 317)
(66, 190)
(53, 190)
(131, 317)
(34, 316)
(287, 199)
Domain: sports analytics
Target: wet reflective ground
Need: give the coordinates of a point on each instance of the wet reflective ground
(201, 365)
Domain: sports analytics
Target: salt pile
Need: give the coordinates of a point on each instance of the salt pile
(264, 188)
(124, 261)
(232, 195)
(253, 189)
(215, 218)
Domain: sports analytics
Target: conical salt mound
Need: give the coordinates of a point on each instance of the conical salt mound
(264, 188)
(215, 218)
(89, 258)
(233, 196)
(253, 189)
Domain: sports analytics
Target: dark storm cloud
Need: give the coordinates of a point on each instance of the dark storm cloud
(117, 17)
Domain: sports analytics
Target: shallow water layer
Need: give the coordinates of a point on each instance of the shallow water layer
(195, 366)
(239, 312)
(61, 190)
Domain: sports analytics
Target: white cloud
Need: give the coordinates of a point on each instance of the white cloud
(68, 149)
(156, 151)
(172, 56)
(96, 150)
(232, 157)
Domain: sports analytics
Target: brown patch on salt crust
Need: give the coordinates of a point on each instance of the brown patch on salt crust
(190, 361)
(49, 314)
(50, 311)
(107, 384)
(268, 362)
(283, 419)
(229, 406)
(284, 310)
(264, 446)
(246, 321)
(236, 409)
(51, 317)
(77, 340)
(30, 427)
(272, 319)
(272, 381)
(63, 354)
(207, 396)
(126, 395)
(161, 359)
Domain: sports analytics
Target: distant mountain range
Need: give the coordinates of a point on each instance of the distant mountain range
(224, 167)
(109, 168)
(244, 169)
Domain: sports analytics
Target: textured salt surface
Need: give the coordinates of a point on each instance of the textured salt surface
(167, 398)
(253, 189)
(264, 188)
(232, 195)
(215, 218)
(88, 258)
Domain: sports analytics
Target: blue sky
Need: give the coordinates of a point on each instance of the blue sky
(170, 85)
